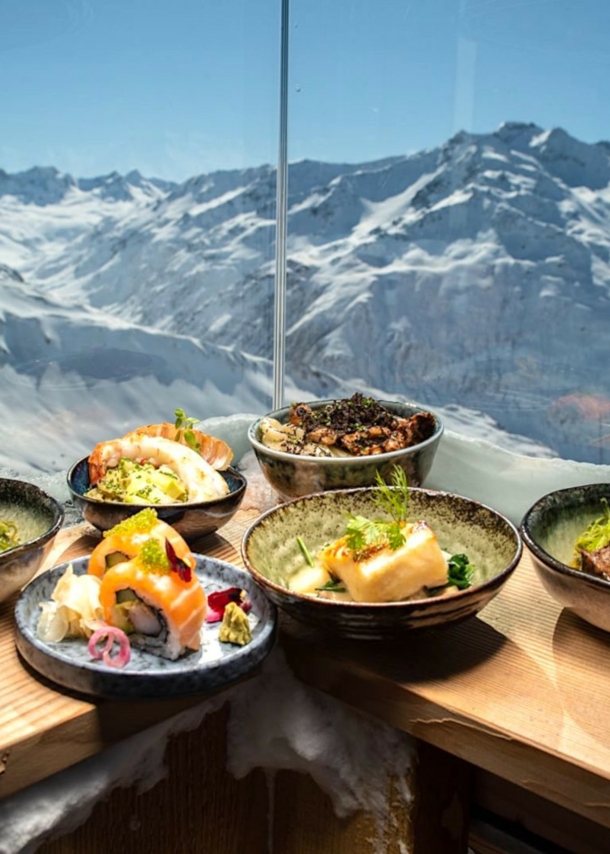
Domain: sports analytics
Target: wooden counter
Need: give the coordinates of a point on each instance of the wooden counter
(521, 692)
(44, 729)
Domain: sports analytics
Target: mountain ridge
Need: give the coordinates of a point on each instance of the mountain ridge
(448, 262)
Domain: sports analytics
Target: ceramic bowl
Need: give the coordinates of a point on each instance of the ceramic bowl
(272, 554)
(38, 517)
(192, 521)
(549, 530)
(293, 476)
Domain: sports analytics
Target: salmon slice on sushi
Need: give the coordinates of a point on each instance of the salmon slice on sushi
(124, 541)
(154, 596)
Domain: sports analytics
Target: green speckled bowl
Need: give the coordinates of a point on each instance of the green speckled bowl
(549, 529)
(293, 476)
(38, 517)
(271, 553)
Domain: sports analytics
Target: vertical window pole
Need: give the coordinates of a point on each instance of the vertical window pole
(281, 214)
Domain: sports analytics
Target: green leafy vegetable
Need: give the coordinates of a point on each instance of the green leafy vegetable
(460, 571)
(595, 536)
(8, 536)
(459, 574)
(363, 534)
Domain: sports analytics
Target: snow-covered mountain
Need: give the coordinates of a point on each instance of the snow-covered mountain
(473, 276)
(72, 376)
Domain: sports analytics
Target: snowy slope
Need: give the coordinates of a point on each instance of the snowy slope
(70, 377)
(474, 272)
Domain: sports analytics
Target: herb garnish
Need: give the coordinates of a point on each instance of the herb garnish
(460, 571)
(595, 536)
(363, 535)
(184, 425)
(333, 586)
(305, 551)
(394, 499)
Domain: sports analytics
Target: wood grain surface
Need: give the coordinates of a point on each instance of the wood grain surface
(522, 691)
(44, 729)
(199, 807)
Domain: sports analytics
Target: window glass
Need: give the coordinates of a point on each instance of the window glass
(137, 218)
(449, 213)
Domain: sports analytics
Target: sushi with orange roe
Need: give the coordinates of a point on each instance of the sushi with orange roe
(124, 541)
(151, 593)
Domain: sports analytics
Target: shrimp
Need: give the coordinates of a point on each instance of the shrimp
(202, 481)
(216, 452)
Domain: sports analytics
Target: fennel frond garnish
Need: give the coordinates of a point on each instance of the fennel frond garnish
(363, 535)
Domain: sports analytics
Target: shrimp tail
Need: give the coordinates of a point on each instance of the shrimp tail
(214, 451)
(202, 481)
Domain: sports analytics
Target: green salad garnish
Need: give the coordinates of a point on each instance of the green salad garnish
(460, 571)
(595, 536)
(8, 536)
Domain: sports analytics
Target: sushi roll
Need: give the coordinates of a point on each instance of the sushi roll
(124, 541)
(160, 608)
(148, 587)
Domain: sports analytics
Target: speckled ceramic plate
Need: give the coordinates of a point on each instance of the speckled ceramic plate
(215, 665)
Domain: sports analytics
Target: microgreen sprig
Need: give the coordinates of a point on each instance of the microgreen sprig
(184, 425)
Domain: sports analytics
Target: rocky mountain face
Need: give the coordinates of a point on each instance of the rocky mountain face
(476, 274)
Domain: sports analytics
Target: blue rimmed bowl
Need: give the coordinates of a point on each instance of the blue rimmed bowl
(272, 554)
(191, 520)
(550, 529)
(293, 476)
(38, 517)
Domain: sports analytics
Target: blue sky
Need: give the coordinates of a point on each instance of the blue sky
(179, 87)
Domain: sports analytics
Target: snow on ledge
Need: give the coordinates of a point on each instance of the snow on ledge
(276, 723)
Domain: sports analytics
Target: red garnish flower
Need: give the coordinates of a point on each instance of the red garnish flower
(217, 602)
(176, 564)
